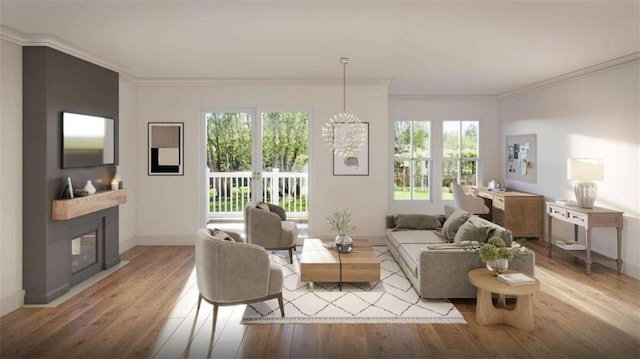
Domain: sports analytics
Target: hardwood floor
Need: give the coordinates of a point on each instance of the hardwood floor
(147, 309)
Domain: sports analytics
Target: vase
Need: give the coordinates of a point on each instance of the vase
(89, 187)
(344, 243)
(498, 266)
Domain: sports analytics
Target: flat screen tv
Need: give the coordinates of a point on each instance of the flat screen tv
(87, 141)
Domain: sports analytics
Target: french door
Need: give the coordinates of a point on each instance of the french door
(257, 156)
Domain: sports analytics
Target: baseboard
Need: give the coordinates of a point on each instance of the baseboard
(166, 240)
(127, 244)
(11, 302)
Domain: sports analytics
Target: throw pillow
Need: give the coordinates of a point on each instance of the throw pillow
(451, 225)
(472, 231)
(264, 206)
(220, 235)
(416, 221)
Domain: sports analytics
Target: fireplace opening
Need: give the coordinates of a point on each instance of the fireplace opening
(84, 251)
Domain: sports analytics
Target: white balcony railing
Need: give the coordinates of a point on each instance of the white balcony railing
(229, 192)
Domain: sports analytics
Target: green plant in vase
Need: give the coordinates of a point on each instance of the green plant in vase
(340, 221)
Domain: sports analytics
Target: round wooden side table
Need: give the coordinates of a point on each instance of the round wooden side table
(486, 313)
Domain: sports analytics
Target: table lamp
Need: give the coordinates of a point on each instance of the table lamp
(585, 171)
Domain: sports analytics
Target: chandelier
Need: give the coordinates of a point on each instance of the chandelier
(344, 133)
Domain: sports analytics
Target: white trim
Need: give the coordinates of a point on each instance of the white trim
(127, 244)
(12, 302)
(244, 81)
(586, 71)
(23, 39)
(490, 98)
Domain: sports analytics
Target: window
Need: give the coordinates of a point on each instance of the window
(460, 154)
(411, 160)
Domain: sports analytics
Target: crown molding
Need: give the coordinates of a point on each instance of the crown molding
(245, 81)
(23, 39)
(444, 97)
(573, 75)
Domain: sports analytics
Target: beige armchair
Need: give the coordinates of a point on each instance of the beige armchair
(468, 202)
(231, 273)
(266, 225)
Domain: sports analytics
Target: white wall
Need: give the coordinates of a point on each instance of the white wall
(170, 208)
(127, 162)
(593, 116)
(438, 109)
(11, 293)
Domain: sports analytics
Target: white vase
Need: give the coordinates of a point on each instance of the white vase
(498, 266)
(344, 243)
(89, 187)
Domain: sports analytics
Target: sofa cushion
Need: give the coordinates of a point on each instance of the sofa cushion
(472, 231)
(396, 238)
(416, 221)
(453, 222)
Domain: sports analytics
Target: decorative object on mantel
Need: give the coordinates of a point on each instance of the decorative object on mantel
(585, 171)
(80, 192)
(89, 188)
(340, 221)
(115, 182)
(344, 133)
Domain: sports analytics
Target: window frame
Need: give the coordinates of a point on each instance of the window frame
(412, 160)
(459, 159)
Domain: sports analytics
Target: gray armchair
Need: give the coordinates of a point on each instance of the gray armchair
(231, 273)
(266, 225)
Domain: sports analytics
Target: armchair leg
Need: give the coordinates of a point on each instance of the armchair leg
(290, 255)
(215, 319)
(199, 300)
(280, 302)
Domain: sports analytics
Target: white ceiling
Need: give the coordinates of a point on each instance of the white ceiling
(422, 47)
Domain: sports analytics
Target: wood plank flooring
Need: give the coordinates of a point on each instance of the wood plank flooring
(147, 309)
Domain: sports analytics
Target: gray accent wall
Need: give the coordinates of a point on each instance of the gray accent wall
(54, 82)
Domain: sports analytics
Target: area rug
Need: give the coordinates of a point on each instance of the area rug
(392, 300)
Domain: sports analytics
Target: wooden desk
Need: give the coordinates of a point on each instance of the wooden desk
(520, 212)
(486, 313)
(588, 219)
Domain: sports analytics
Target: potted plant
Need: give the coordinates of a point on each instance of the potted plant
(340, 221)
(496, 255)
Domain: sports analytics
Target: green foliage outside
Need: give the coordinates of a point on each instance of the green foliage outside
(229, 146)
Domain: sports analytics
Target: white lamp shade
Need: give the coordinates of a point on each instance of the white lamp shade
(585, 169)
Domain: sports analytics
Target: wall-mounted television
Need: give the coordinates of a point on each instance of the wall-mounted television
(87, 141)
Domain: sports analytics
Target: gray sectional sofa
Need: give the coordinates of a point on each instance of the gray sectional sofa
(425, 248)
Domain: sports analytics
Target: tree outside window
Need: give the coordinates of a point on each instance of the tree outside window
(411, 160)
(460, 155)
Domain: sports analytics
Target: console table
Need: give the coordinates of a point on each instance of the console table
(587, 218)
(520, 212)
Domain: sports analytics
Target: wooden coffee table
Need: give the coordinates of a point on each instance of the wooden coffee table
(321, 264)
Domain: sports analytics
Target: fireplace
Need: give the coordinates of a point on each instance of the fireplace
(86, 250)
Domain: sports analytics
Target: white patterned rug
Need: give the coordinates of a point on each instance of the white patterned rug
(392, 300)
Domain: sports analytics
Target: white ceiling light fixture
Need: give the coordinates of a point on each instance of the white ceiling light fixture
(344, 133)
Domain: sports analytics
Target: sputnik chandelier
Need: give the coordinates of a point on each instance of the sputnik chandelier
(344, 133)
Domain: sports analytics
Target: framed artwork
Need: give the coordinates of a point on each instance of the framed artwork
(356, 165)
(165, 148)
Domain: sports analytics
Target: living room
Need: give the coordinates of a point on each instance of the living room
(587, 107)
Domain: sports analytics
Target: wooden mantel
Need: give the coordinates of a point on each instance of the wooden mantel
(64, 209)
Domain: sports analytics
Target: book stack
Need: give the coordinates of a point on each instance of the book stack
(570, 245)
(516, 279)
